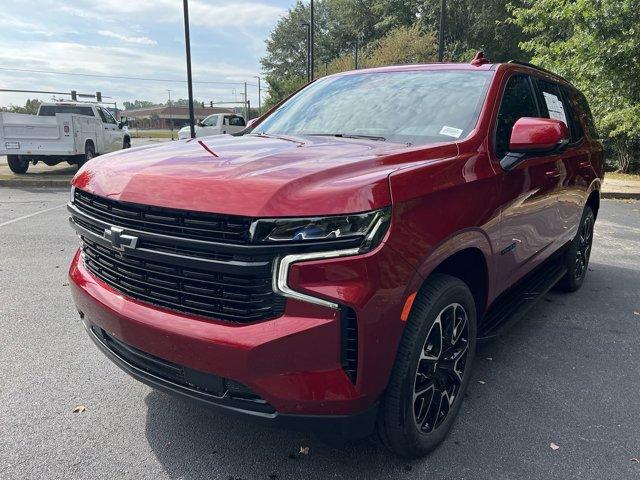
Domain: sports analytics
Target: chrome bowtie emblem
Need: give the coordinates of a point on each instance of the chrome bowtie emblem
(118, 239)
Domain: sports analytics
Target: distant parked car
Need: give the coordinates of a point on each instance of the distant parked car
(61, 132)
(216, 124)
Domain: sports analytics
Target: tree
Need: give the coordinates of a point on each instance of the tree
(30, 107)
(595, 45)
(138, 104)
(471, 26)
(403, 45)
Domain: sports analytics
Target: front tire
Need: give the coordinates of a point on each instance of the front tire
(578, 253)
(126, 143)
(18, 164)
(432, 368)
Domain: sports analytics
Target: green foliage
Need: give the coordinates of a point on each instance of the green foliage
(403, 45)
(138, 104)
(595, 45)
(471, 26)
(30, 107)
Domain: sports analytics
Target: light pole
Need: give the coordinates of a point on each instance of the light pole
(443, 12)
(356, 55)
(308, 27)
(170, 115)
(187, 41)
(259, 96)
(311, 32)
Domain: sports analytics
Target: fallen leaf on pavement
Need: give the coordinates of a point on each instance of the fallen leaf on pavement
(79, 409)
(481, 382)
(553, 446)
(489, 358)
(635, 460)
(636, 313)
(304, 451)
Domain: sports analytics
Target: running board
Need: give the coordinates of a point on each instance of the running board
(512, 305)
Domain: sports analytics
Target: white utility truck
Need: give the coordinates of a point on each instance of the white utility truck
(69, 132)
(216, 124)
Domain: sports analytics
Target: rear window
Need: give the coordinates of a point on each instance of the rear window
(51, 110)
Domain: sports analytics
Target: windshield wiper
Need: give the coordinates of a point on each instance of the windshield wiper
(348, 135)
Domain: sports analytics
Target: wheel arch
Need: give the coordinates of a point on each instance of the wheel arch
(470, 266)
(89, 141)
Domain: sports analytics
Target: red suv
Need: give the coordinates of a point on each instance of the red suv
(333, 266)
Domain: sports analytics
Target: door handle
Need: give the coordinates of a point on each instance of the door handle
(552, 173)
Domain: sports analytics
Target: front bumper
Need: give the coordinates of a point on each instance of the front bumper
(354, 426)
(292, 362)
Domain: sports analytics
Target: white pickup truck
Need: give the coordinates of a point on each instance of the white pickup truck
(61, 132)
(216, 124)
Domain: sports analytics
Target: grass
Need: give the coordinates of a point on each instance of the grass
(152, 133)
(623, 176)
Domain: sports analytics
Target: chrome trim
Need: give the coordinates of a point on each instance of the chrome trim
(281, 274)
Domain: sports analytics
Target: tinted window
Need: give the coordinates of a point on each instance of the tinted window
(517, 102)
(236, 121)
(585, 114)
(572, 108)
(417, 107)
(51, 110)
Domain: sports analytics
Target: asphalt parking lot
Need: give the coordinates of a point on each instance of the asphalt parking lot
(569, 373)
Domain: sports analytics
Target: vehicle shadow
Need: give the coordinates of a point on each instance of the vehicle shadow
(523, 388)
(193, 441)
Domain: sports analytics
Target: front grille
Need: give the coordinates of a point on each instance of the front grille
(172, 265)
(222, 388)
(167, 221)
(195, 291)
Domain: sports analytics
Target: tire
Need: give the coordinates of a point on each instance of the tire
(578, 253)
(412, 426)
(89, 153)
(126, 143)
(17, 164)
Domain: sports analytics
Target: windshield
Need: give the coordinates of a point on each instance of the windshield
(417, 107)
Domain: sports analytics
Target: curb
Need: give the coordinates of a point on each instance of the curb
(620, 195)
(35, 183)
(66, 183)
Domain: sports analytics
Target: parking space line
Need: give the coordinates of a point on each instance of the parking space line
(31, 215)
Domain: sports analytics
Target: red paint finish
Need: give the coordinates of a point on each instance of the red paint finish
(537, 134)
(446, 198)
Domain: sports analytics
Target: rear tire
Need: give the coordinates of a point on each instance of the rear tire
(18, 164)
(578, 253)
(432, 368)
(89, 153)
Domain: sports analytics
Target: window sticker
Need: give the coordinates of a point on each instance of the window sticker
(451, 132)
(555, 107)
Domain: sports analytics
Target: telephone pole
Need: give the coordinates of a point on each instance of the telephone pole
(311, 29)
(187, 41)
(170, 115)
(246, 103)
(259, 96)
(443, 12)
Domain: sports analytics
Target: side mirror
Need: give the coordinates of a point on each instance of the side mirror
(534, 136)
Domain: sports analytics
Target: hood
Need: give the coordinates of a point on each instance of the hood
(255, 176)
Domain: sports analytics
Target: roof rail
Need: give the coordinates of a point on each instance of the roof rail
(531, 65)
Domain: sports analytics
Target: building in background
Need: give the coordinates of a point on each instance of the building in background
(161, 117)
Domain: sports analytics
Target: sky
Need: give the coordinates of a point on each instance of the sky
(134, 38)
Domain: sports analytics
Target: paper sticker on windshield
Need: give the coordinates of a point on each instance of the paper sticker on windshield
(451, 132)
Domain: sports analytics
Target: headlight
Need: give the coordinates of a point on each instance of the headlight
(370, 227)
